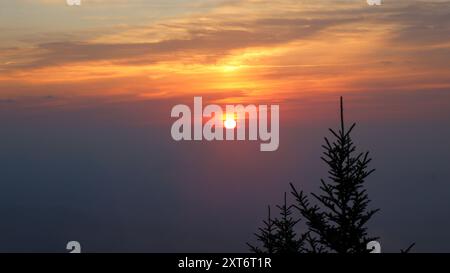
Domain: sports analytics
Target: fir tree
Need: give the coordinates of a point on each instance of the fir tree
(278, 235)
(286, 237)
(266, 237)
(340, 222)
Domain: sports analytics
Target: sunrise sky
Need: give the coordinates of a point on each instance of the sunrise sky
(247, 50)
(86, 94)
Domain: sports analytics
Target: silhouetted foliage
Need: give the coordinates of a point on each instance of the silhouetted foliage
(286, 239)
(340, 224)
(337, 222)
(266, 236)
(278, 235)
(408, 249)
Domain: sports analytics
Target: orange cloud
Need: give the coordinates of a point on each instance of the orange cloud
(247, 50)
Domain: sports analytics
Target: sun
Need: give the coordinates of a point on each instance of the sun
(229, 122)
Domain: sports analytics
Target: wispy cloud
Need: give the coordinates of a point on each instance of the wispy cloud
(250, 48)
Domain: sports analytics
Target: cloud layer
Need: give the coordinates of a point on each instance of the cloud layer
(240, 48)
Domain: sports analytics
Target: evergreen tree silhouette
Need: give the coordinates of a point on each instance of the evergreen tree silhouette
(340, 222)
(278, 235)
(266, 237)
(286, 239)
(337, 223)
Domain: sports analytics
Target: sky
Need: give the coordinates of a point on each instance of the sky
(86, 93)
